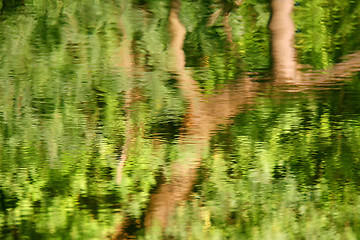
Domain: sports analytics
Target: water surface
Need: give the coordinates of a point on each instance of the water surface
(179, 120)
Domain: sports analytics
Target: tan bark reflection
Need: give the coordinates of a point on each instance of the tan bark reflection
(170, 193)
(283, 35)
(286, 69)
(203, 116)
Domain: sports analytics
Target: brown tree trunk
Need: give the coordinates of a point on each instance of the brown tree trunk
(285, 67)
(203, 115)
(170, 193)
(282, 42)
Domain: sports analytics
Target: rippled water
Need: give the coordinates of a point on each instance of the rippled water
(191, 120)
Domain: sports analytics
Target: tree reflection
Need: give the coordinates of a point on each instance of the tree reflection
(205, 113)
(282, 40)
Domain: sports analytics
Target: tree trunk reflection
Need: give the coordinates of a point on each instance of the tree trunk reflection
(203, 116)
(283, 35)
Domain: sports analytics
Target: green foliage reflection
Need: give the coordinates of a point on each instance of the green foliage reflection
(288, 168)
